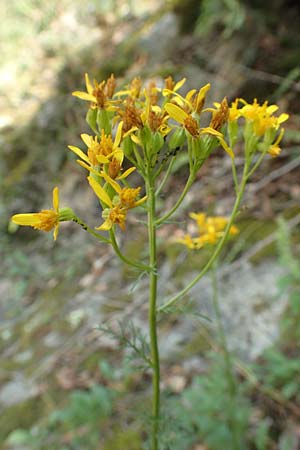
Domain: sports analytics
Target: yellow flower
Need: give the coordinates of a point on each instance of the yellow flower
(274, 149)
(188, 241)
(154, 116)
(100, 95)
(105, 151)
(262, 116)
(193, 102)
(45, 220)
(132, 90)
(116, 215)
(171, 86)
(118, 206)
(234, 111)
(210, 229)
(192, 126)
(128, 197)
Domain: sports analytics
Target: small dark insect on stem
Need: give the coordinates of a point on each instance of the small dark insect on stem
(83, 225)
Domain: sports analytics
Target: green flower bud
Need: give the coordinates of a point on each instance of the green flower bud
(177, 138)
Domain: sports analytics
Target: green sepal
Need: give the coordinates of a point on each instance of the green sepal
(145, 136)
(157, 142)
(127, 146)
(233, 130)
(103, 121)
(66, 214)
(270, 135)
(91, 118)
(177, 138)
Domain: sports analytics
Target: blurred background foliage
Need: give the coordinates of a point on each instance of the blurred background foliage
(62, 386)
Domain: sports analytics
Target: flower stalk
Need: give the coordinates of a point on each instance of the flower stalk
(150, 189)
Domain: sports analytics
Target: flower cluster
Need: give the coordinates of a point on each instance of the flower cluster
(140, 128)
(210, 230)
(261, 128)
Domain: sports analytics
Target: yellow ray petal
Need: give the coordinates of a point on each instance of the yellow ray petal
(55, 196)
(118, 155)
(283, 117)
(190, 94)
(107, 225)
(118, 134)
(79, 153)
(176, 112)
(179, 84)
(209, 130)
(110, 181)
(141, 201)
(88, 84)
(100, 192)
(87, 139)
(84, 96)
(126, 173)
(136, 140)
(55, 232)
(226, 147)
(89, 168)
(102, 159)
(31, 219)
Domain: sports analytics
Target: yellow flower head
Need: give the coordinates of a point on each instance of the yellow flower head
(192, 126)
(128, 197)
(99, 94)
(274, 149)
(132, 90)
(262, 116)
(105, 151)
(116, 212)
(210, 230)
(116, 215)
(171, 86)
(220, 115)
(234, 111)
(45, 220)
(131, 115)
(193, 102)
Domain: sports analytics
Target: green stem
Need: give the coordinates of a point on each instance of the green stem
(257, 164)
(217, 250)
(123, 257)
(189, 182)
(90, 230)
(165, 178)
(234, 175)
(152, 313)
(227, 360)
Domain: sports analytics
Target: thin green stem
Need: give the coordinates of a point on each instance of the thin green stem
(152, 313)
(234, 175)
(189, 182)
(165, 178)
(232, 388)
(124, 258)
(256, 165)
(90, 230)
(217, 251)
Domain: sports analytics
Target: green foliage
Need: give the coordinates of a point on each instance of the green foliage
(130, 337)
(207, 403)
(86, 407)
(229, 13)
(289, 284)
(280, 372)
(81, 419)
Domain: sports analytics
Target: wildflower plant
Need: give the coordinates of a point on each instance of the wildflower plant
(148, 126)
